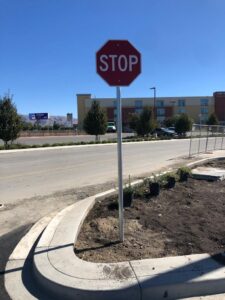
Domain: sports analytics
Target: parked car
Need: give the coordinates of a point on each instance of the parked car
(165, 132)
(171, 128)
(111, 127)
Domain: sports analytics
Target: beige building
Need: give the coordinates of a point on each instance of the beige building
(198, 108)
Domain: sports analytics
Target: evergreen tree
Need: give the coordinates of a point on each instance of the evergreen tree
(145, 122)
(133, 120)
(95, 122)
(212, 120)
(10, 121)
(170, 122)
(183, 124)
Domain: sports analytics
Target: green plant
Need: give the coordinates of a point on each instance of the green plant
(170, 179)
(183, 124)
(95, 122)
(10, 121)
(128, 193)
(212, 120)
(183, 173)
(154, 185)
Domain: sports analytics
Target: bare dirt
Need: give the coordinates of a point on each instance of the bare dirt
(184, 220)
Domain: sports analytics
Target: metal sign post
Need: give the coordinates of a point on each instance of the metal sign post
(118, 63)
(120, 165)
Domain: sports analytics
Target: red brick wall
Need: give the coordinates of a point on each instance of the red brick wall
(126, 111)
(219, 98)
(169, 112)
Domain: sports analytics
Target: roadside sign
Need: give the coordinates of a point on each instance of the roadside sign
(118, 62)
(38, 116)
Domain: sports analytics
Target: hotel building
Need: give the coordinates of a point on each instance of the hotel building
(198, 107)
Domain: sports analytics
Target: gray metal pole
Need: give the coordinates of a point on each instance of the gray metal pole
(155, 114)
(154, 100)
(215, 140)
(120, 165)
(199, 140)
(207, 139)
(190, 142)
(222, 137)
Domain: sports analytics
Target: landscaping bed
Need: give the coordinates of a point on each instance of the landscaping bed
(186, 219)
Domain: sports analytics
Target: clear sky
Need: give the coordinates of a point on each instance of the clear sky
(48, 48)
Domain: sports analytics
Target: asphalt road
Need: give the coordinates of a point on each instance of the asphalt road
(34, 173)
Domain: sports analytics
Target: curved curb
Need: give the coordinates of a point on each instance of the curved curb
(61, 272)
(13, 278)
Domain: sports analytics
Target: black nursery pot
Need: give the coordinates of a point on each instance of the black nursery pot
(184, 176)
(171, 182)
(154, 188)
(127, 199)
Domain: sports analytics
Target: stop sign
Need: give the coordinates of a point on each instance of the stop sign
(118, 62)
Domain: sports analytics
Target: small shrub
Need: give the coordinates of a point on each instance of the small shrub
(142, 190)
(170, 180)
(128, 193)
(154, 186)
(183, 173)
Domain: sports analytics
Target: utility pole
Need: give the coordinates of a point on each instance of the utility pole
(154, 114)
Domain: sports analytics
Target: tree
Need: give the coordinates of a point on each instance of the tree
(95, 121)
(212, 120)
(183, 124)
(10, 121)
(56, 126)
(170, 122)
(145, 123)
(133, 119)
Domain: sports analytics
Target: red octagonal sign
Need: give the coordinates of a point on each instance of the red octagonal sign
(118, 62)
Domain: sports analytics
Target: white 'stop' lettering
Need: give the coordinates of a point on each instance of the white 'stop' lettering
(114, 62)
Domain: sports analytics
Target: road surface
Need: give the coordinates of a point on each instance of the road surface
(41, 172)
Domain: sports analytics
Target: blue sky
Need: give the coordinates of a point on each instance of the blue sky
(48, 48)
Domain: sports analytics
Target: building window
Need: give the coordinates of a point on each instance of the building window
(160, 112)
(138, 110)
(160, 118)
(159, 103)
(204, 102)
(138, 104)
(204, 110)
(181, 102)
(181, 110)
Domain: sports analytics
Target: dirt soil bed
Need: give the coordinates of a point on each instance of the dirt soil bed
(184, 220)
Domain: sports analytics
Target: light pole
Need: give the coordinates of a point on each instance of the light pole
(154, 88)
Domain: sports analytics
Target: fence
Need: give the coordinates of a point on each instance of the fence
(31, 133)
(206, 138)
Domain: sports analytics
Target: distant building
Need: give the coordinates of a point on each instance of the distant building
(198, 108)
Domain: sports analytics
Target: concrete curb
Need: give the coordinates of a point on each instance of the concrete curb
(13, 271)
(61, 272)
(81, 146)
(58, 270)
